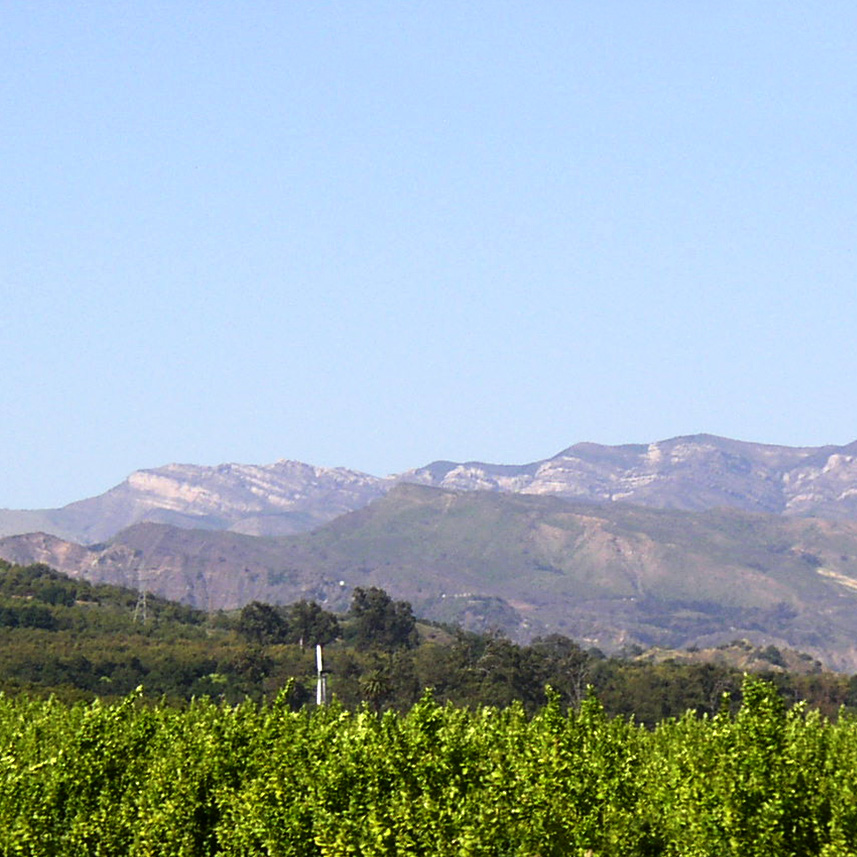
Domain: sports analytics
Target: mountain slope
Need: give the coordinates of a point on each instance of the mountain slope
(691, 473)
(607, 575)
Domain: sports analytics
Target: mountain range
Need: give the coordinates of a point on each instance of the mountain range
(688, 541)
(689, 473)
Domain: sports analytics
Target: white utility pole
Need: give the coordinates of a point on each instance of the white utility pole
(321, 685)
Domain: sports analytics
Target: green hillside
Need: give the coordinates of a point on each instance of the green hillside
(606, 575)
(79, 641)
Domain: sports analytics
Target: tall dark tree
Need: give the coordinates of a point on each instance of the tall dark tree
(380, 622)
(564, 665)
(263, 624)
(310, 624)
(506, 673)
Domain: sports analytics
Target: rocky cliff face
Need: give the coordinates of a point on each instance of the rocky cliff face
(690, 473)
(276, 499)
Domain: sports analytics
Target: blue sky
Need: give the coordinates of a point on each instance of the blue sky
(375, 234)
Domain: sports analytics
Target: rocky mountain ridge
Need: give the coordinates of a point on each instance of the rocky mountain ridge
(691, 473)
(275, 499)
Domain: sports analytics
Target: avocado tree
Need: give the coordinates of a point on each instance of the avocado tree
(262, 624)
(380, 622)
(310, 624)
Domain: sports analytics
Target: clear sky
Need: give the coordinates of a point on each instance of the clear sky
(375, 234)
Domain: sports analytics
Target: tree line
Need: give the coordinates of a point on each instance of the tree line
(80, 641)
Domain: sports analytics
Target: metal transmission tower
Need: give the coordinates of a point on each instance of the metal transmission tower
(141, 607)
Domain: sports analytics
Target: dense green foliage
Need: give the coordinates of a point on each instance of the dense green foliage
(380, 622)
(96, 779)
(219, 751)
(303, 622)
(79, 641)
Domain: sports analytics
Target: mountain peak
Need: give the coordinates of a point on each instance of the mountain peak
(691, 472)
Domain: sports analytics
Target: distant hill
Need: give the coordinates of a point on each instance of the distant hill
(608, 575)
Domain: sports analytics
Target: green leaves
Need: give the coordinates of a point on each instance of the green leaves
(267, 780)
(381, 622)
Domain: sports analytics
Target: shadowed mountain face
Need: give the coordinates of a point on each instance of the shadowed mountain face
(690, 473)
(606, 575)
